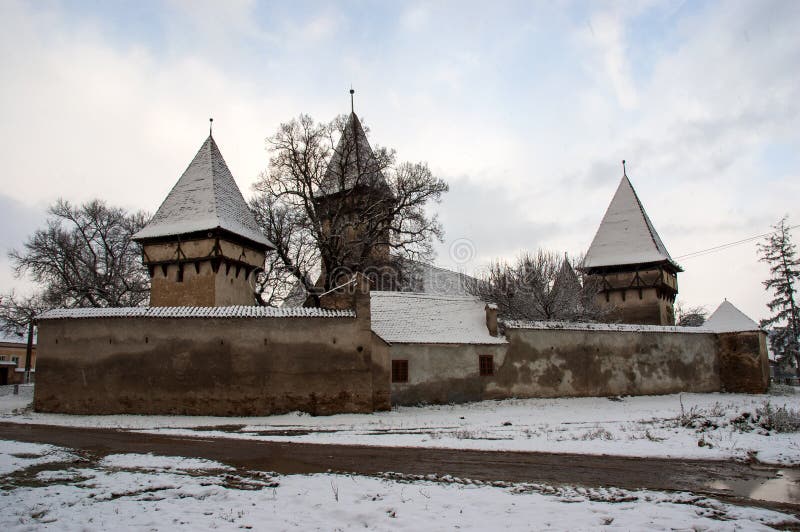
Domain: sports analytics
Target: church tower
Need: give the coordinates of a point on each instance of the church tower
(203, 247)
(639, 279)
(354, 203)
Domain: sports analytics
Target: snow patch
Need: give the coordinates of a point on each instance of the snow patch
(160, 463)
(16, 455)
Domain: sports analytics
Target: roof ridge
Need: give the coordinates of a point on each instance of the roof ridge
(422, 295)
(654, 236)
(211, 145)
(642, 211)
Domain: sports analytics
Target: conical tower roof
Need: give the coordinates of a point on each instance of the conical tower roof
(566, 278)
(626, 235)
(566, 289)
(353, 162)
(728, 318)
(205, 198)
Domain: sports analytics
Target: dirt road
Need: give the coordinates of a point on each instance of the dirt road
(732, 481)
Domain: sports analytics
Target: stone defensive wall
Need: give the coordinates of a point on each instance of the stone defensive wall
(224, 361)
(557, 359)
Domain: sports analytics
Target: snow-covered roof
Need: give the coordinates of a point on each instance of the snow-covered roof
(418, 277)
(405, 317)
(206, 197)
(613, 327)
(22, 338)
(195, 312)
(353, 162)
(728, 318)
(15, 336)
(429, 279)
(12, 338)
(626, 235)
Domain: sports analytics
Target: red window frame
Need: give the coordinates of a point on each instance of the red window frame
(399, 370)
(486, 365)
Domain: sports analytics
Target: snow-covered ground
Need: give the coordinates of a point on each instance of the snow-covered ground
(708, 426)
(165, 493)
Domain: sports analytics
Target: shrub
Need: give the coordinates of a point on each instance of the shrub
(779, 419)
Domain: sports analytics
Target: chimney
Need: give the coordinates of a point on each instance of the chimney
(491, 318)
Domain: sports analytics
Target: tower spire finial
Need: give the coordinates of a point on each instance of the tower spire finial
(624, 171)
(210, 125)
(352, 105)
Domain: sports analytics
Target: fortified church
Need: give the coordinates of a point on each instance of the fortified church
(203, 347)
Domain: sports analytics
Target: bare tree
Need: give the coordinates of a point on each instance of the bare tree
(86, 257)
(539, 286)
(294, 258)
(330, 201)
(18, 317)
(686, 316)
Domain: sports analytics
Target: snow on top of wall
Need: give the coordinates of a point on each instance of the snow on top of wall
(195, 312)
(626, 235)
(408, 317)
(206, 197)
(614, 327)
(728, 318)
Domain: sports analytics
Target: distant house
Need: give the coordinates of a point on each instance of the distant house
(13, 348)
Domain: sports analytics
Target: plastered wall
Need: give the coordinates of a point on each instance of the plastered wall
(443, 373)
(200, 366)
(564, 363)
(573, 363)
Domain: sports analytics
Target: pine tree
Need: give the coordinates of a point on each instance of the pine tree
(779, 252)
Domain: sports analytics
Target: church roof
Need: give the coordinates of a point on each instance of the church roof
(426, 278)
(353, 162)
(728, 318)
(411, 318)
(206, 197)
(626, 235)
(417, 276)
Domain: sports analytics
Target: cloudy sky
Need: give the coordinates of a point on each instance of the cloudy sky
(526, 109)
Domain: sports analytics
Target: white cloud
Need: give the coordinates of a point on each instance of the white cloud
(86, 119)
(605, 35)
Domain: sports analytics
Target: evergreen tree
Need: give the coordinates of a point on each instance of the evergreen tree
(779, 252)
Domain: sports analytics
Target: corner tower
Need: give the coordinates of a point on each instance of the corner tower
(354, 203)
(639, 278)
(203, 246)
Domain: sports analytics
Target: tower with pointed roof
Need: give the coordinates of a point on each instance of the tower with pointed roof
(566, 291)
(354, 200)
(639, 278)
(203, 246)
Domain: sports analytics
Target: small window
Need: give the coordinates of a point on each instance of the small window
(15, 360)
(399, 370)
(486, 365)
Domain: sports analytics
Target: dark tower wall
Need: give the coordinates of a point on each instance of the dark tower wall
(202, 272)
(638, 294)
